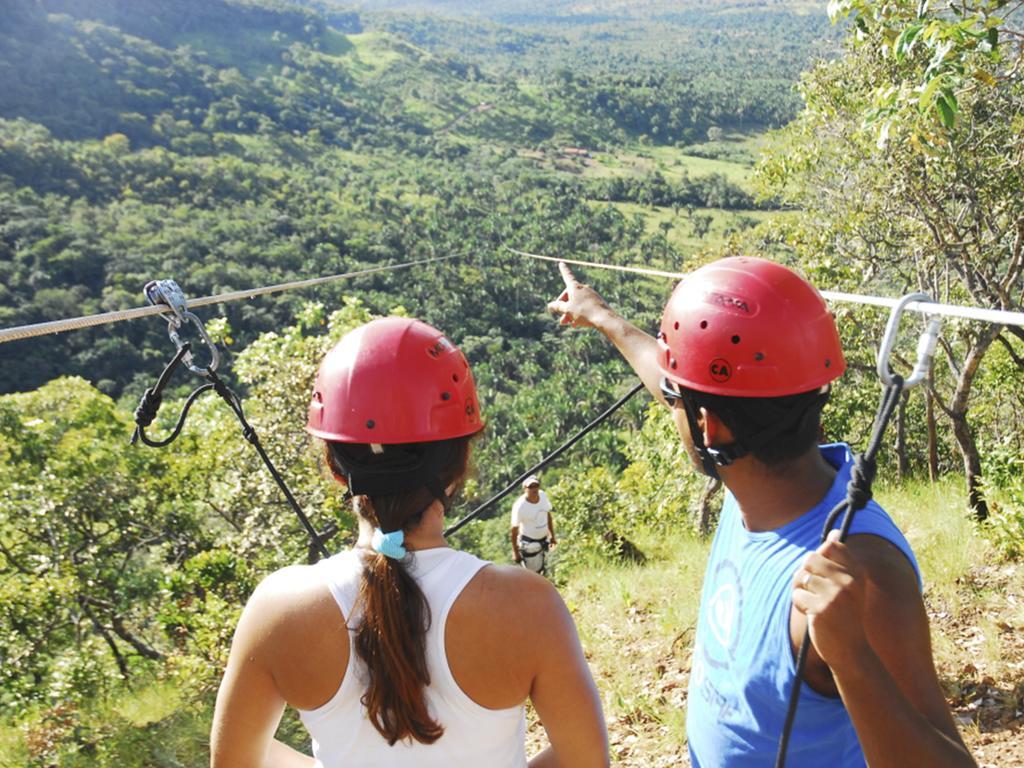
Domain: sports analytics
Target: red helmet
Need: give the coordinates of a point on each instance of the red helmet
(394, 380)
(746, 327)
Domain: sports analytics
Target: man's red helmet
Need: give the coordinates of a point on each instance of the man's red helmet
(746, 327)
(394, 380)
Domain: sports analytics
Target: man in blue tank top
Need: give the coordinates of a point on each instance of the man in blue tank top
(745, 358)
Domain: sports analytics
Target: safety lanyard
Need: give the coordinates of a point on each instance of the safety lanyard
(167, 292)
(858, 490)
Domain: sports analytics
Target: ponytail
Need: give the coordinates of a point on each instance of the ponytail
(392, 611)
(391, 641)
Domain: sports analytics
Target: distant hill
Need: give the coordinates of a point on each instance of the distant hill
(574, 11)
(232, 143)
(552, 10)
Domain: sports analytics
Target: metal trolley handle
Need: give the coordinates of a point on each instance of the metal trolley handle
(925, 345)
(167, 292)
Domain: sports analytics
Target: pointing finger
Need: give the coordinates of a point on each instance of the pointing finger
(567, 275)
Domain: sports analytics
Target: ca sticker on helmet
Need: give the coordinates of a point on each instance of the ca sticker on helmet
(720, 369)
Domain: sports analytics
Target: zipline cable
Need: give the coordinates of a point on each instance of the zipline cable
(545, 461)
(60, 326)
(997, 316)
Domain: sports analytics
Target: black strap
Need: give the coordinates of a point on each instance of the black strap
(858, 493)
(545, 461)
(713, 457)
(249, 434)
(545, 545)
(151, 400)
(532, 541)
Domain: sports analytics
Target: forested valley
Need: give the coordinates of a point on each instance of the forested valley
(232, 144)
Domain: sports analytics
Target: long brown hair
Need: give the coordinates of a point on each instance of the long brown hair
(392, 611)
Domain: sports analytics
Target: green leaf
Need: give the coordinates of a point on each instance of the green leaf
(927, 97)
(950, 98)
(947, 112)
(905, 41)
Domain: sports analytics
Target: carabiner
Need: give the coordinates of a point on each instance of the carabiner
(925, 345)
(167, 292)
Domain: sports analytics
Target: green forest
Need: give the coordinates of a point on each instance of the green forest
(232, 144)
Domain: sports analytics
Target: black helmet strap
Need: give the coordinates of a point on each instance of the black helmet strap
(385, 470)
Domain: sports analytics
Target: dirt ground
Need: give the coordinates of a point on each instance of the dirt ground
(986, 690)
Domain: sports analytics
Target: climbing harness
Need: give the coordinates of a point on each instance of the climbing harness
(534, 553)
(543, 462)
(169, 295)
(858, 491)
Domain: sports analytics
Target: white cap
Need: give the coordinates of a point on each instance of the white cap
(531, 480)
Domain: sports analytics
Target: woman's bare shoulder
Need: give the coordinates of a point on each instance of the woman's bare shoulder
(514, 591)
(290, 598)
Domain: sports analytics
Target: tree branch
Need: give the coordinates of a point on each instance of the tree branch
(118, 658)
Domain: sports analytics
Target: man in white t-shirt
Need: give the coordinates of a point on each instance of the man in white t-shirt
(533, 531)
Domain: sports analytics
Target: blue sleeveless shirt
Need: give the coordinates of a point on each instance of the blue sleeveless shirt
(743, 666)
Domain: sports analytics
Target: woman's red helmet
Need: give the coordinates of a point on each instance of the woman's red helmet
(746, 327)
(394, 380)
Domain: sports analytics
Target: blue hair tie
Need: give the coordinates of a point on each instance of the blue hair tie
(389, 544)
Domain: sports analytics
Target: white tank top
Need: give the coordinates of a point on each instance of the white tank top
(473, 735)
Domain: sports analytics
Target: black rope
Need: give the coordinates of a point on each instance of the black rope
(545, 461)
(249, 434)
(150, 404)
(858, 494)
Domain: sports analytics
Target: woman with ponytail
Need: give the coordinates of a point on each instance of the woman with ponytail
(402, 651)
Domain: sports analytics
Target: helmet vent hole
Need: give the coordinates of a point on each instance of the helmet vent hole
(455, 378)
(370, 423)
(828, 362)
(446, 395)
(759, 356)
(673, 364)
(735, 339)
(703, 324)
(676, 325)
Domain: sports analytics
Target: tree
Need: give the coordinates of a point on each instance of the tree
(700, 224)
(907, 160)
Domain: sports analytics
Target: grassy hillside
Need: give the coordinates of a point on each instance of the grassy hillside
(235, 144)
(637, 624)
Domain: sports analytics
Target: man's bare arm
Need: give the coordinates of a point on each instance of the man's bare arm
(868, 623)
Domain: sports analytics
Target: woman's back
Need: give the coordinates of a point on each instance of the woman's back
(508, 637)
(473, 734)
